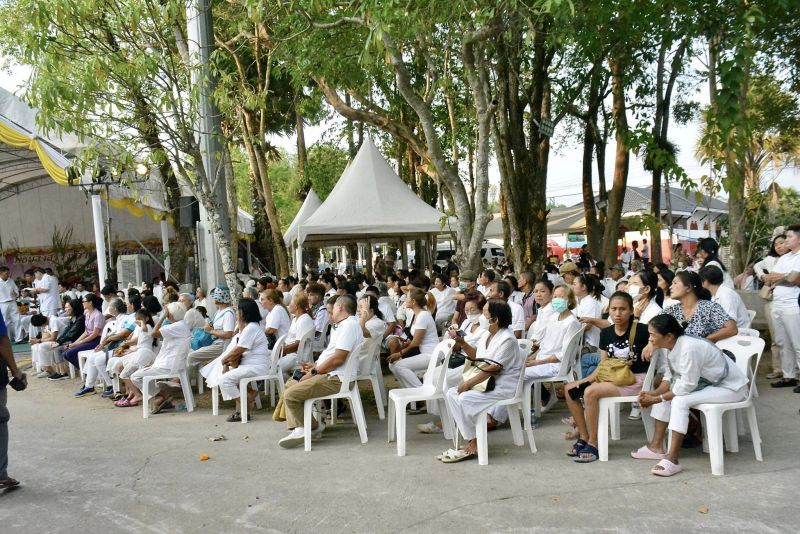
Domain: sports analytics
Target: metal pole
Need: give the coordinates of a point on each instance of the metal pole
(99, 238)
(165, 246)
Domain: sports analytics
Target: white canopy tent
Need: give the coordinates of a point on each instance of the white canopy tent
(370, 202)
(310, 205)
(33, 169)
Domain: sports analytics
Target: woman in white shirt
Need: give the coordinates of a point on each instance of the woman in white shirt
(708, 252)
(696, 372)
(174, 349)
(589, 292)
(472, 329)
(411, 355)
(542, 296)
(445, 304)
(246, 356)
(560, 328)
(302, 325)
(141, 356)
(465, 404)
(762, 268)
(278, 321)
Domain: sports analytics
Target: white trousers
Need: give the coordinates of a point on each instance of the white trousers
(229, 382)
(465, 407)
(676, 411)
(45, 355)
(288, 363)
(453, 378)
(11, 317)
(138, 377)
(95, 367)
(786, 324)
(204, 355)
(406, 369)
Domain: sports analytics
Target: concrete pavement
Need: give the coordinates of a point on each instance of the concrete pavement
(86, 465)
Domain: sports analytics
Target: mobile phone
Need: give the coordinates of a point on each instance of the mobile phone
(298, 375)
(461, 333)
(765, 271)
(577, 393)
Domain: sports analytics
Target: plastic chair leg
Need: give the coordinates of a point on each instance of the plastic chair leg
(200, 380)
(390, 422)
(254, 385)
(71, 371)
(447, 424)
(516, 426)
(384, 393)
(526, 406)
(376, 389)
(613, 413)
(186, 386)
(602, 430)
(400, 427)
(740, 422)
(115, 384)
(215, 400)
(754, 433)
(307, 408)
(649, 424)
(334, 409)
(537, 398)
(714, 426)
(730, 432)
(145, 398)
(483, 441)
(358, 414)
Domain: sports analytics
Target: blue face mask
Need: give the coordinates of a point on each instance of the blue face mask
(559, 305)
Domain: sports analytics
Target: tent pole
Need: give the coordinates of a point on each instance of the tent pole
(165, 246)
(403, 253)
(369, 259)
(99, 238)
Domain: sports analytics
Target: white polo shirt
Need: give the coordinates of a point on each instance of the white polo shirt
(346, 335)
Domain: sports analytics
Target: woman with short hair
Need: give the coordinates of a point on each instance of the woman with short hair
(247, 356)
(696, 372)
(500, 349)
(708, 253)
(445, 304)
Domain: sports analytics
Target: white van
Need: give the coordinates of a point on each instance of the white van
(489, 252)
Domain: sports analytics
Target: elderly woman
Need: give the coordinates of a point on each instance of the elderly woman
(221, 329)
(171, 358)
(301, 324)
(497, 356)
(247, 355)
(410, 355)
(697, 372)
(469, 333)
(52, 358)
(622, 341)
(97, 360)
(93, 328)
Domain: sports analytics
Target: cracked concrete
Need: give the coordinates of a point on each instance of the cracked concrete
(85, 465)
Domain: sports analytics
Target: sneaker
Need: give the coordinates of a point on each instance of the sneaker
(85, 392)
(57, 376)
(108, 392)
(429, 428)
(636, 414)
(774, 375)
(296, 437)
(785, 383)
(42, 374)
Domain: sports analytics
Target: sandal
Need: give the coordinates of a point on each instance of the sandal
(665, 468)
(459, 456)
(161, 406)
(644, 453)
(9, 482)
(576, 449)
(123, 403)
(590, 451)
(569, 421)
(446, 454)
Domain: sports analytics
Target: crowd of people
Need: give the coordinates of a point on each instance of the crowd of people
(621, 318)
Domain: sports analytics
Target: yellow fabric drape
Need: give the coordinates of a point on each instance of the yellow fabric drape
(12, 137)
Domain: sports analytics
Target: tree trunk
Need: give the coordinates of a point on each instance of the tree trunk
(279, 248)
(302, 154)
(593, 235)
(616, 196)
(233, 204)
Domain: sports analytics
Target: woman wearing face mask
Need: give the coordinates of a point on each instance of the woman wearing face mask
(542, 296)
(473, 326)
(647, 296)
(545, 362)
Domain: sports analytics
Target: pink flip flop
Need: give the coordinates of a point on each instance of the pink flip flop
(644, 453)
(122, 403)
(668, 469)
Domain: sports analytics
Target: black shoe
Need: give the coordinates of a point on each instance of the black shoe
(785, 383)
(57, 376)
(797, 389)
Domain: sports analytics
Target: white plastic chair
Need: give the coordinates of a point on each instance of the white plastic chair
(186, 386)
(349, 391)
(370, 369)
(566, 373)
(752, 315)
(514, 405)
(400, 398)
(752, 332)
(245, 383)
(305, 350)
(608, 414)
(744, 348)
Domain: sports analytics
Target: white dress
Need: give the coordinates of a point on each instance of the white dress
(465, 407)
(254, 362)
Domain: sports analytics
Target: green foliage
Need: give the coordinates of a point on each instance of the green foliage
(67, 256)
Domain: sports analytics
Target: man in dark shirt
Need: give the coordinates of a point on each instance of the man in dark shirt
(6, 362)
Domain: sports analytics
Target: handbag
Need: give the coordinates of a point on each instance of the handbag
(766, 292)
(616, 370)
(473, 368)
(200, 338)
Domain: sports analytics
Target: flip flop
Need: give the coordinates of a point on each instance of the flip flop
(591, 450)
(123, 403)
(644, 453)
(569, 421)
(668, 469)
(9, 482)
(447, 453)
(459, 456)
(576, 449)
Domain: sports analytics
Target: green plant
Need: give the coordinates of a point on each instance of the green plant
(69, 261)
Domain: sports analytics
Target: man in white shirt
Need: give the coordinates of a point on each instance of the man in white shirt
(713, 277)
(324, 377)
(615, 274)
(46, 289)
(8, 299)
(625, 258)
(80, 290)
(785, 310)
(502, 290)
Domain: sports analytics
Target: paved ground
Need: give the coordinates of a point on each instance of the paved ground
(88, 466)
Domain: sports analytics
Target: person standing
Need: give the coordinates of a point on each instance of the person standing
(8, 299)
(645, 253)
(7, 363)
(46, 289)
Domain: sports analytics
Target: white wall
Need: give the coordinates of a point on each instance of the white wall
(28, 219)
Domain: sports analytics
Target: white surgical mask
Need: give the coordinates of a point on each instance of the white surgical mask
(484, 322)
(635, 292)
(474, 317)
